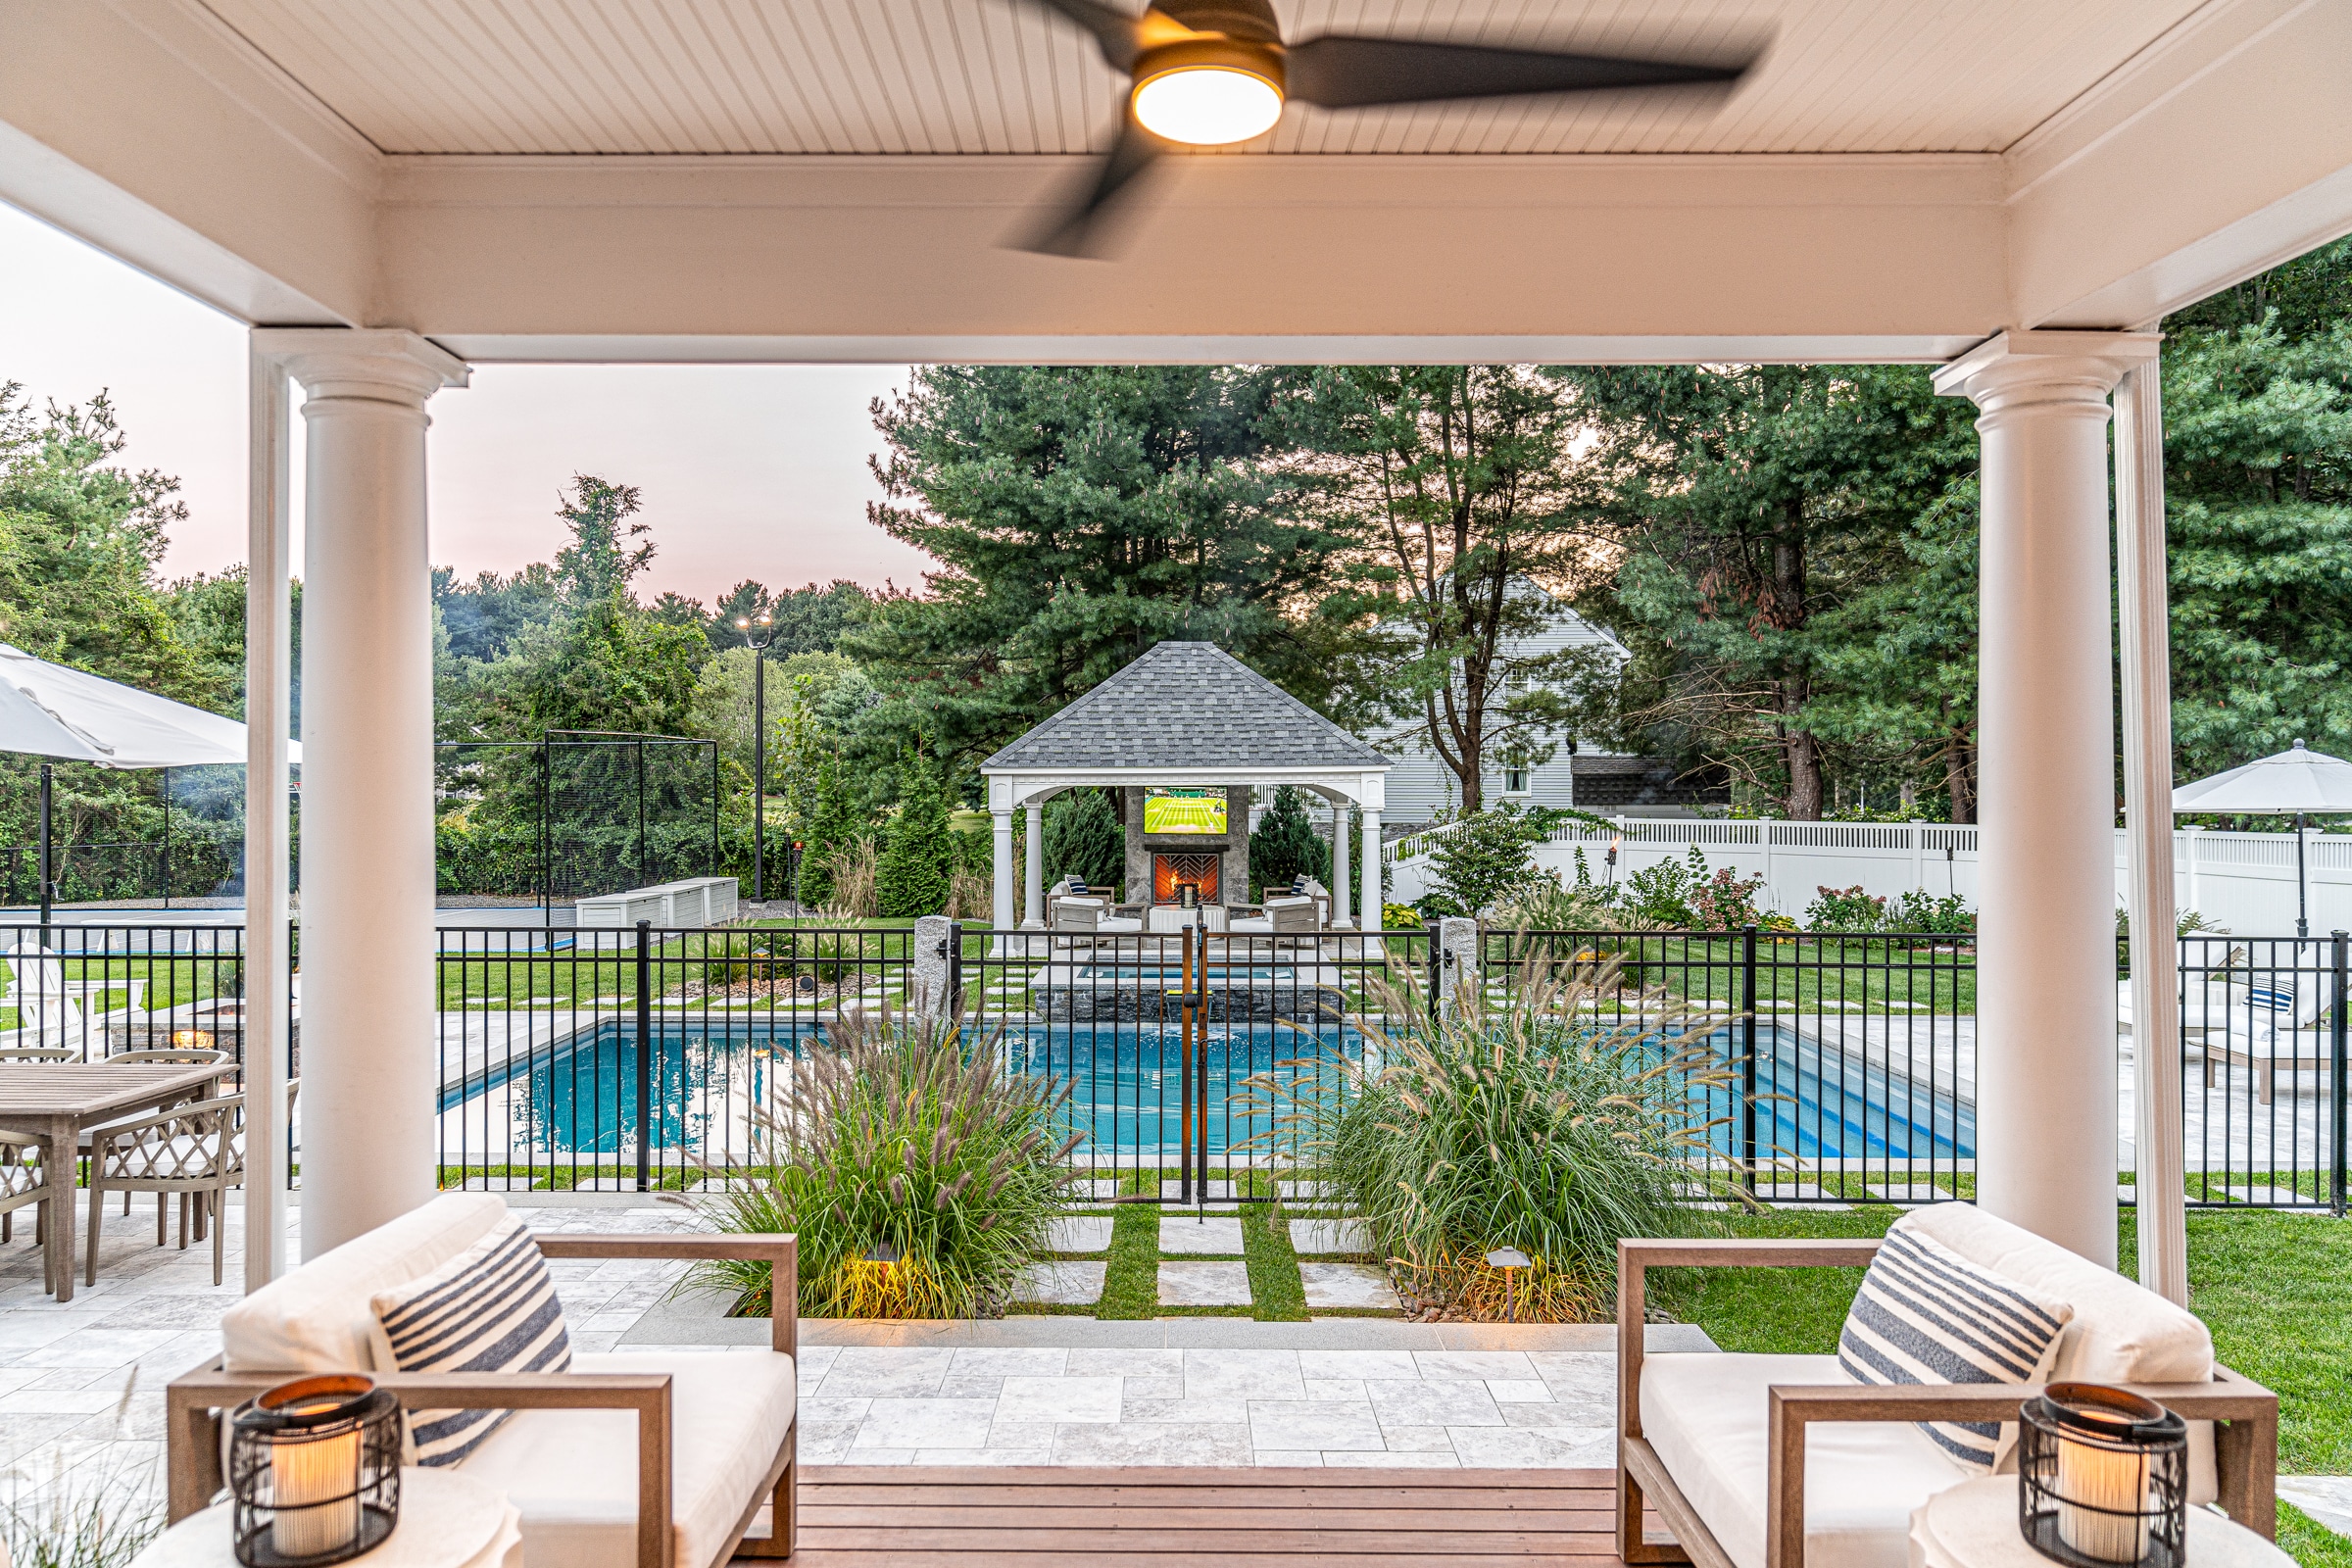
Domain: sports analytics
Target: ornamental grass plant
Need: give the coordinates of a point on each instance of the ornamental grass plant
(1534, 1122)
(900, 1135)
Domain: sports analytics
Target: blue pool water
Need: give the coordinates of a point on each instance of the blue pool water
(579, 1096)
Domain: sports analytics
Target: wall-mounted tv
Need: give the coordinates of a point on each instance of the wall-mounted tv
(1184, 813)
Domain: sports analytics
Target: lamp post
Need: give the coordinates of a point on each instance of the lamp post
(759, 646)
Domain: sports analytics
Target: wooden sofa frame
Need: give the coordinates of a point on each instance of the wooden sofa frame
(194, 1402)
(2245, 1417)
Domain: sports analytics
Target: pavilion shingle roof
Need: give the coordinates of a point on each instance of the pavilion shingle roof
(1190, 705)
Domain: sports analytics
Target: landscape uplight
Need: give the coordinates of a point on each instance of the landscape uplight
(1508, 1260)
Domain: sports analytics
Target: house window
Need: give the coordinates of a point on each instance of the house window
(1514, 781)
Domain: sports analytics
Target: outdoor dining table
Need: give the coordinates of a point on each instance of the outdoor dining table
(54, 1102)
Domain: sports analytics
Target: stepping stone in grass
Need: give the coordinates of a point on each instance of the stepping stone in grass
(1204, 1285)
(1060, 1284)
(1911, 1192)
(1347, 1285)
(1310, 1237)
(1182, 1233)
(1078, 1233)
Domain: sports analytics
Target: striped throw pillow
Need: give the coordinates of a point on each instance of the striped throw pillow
(491, 1308)
(1926, 1314)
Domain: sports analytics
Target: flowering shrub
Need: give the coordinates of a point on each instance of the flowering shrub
(1918, 910)
(1846, 909)
(1727, 900)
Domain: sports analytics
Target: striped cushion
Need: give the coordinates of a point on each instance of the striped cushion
(491, 1308)
(1926, 1314)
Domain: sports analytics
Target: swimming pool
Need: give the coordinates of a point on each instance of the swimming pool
(577, 1097)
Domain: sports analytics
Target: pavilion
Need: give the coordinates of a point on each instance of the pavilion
(1185, 715)
(390, 193)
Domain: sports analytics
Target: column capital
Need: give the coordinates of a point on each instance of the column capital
(379, 363)
(2014, 370)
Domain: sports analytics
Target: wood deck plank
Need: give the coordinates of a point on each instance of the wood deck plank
(869, 1516)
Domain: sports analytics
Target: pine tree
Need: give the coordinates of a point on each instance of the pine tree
(1286, 845)
(827, 824)
(918, 848)
(1079, 515)
(1082, 838)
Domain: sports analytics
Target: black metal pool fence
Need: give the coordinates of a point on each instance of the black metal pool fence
(1855, 1055)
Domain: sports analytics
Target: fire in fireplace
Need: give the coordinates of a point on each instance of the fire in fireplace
(1172, 871)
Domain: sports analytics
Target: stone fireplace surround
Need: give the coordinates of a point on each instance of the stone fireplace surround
(1232, 848)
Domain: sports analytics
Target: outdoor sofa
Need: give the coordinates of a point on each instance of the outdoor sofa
(1784, 1461)
(634, 1459)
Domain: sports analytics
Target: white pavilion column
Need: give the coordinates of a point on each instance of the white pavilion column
(2047, 1091)
(1372, 908)
(1033, 876)
(268, 704)
(1340, 892)
(368, 1063)
(1000, 869)
(2160, 1192)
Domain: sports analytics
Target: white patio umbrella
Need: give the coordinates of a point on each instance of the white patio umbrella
(2298, 781)
(51, 711)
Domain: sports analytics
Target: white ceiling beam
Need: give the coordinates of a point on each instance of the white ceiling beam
(2224, 149)
(155, 133)
(1292, 258)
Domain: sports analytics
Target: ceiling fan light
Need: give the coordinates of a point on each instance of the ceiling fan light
(1209, 92)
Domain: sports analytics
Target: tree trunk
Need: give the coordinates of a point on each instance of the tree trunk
(1960, 775)
(1801, 753)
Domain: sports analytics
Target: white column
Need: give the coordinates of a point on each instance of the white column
(269, 687)
(1001, 881)
(1341, 894)
(369, 1072)
(1033, 904)
(2139, 555)
(2045, 964)
(1372, 908)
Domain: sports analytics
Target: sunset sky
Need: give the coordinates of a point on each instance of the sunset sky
(748, 470)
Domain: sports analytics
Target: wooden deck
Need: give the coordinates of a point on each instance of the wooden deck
(929, 1516)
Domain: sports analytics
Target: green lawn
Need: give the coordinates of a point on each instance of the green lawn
(2270, 1286)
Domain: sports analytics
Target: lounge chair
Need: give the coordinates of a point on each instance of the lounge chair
(49, 1010)
(2266, 1027)
(646, 1458)
(1766, 1461)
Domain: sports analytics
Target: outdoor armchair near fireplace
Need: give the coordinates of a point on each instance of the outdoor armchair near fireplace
(1785, 1461)
(635, 1460)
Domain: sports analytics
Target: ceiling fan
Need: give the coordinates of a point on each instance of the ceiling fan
(1209, 72)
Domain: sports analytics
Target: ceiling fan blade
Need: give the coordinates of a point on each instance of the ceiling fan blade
(1118, 32)
(1338, 72)
(1077, 229)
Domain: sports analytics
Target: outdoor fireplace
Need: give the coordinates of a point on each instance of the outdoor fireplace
(1169, 872)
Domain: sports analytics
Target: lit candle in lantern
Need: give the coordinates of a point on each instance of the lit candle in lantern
(314, 1486)
(2091, 1477)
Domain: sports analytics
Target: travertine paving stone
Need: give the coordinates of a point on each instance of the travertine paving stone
(1359, 1285)
(1204, 1285)
(1213, 1235)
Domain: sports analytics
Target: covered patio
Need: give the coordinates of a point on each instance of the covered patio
(390, 195)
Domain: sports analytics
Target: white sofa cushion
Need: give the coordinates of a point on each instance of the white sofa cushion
(318, 1317)
(2122, 1331)
(1707, 1417)
(491, 1308)
(1926, 1315)
(572, 1474)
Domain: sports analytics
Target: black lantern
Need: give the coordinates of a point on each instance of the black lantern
(315, 1468)
(1188, 894)
(2102, 1478)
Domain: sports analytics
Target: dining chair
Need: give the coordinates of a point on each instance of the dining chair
(38, 1053)
(159, 1056)
(24, 1180)
(196, 1149)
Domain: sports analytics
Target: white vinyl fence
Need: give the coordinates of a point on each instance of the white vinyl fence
(2240, 882)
